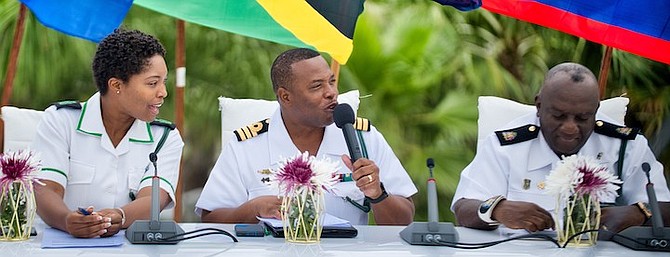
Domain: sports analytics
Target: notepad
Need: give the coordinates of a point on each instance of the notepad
(54, 238)
(328, 220)
(333, 227)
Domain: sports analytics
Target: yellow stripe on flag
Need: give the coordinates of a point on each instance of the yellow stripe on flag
(306, 24)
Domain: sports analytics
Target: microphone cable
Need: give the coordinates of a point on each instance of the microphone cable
(437, 240)
(212, 231)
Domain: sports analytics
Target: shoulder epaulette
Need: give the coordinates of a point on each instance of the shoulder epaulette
(518, 135)
(611, 130)
(70, 104)
(362, 124)
(164, 123)
(252, 130)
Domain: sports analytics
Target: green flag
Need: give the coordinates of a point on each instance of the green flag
(324, 25)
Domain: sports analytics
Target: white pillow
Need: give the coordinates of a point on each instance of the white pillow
(495, 112)
(237, 113)
(20, 127)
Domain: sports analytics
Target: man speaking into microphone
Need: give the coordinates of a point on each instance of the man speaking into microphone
(237, 190)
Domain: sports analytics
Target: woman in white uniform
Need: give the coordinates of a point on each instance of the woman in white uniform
(95, 154)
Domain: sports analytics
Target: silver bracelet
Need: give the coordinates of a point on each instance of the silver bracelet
(123, 216)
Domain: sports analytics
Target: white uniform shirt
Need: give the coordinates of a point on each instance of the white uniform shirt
(242, 169)
(501, 170)
(76, 152)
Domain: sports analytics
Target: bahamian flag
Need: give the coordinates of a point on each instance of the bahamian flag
(88, 19)
(641, 27)
(324, 25)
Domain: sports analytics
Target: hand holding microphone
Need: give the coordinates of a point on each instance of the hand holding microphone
(365, 171)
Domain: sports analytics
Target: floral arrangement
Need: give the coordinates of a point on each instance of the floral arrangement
(304, 172)
(582, 175)
(302, 181)
(17, 202)
(579, 182)
(19, 166)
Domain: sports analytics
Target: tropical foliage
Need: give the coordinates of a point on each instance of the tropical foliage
(420, 67)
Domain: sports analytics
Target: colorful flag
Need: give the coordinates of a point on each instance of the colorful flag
(324, 25)
(88, 19)
(462, 5)
(639, 27)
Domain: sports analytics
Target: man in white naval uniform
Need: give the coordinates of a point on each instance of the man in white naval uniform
(512, 165)
(237, 190)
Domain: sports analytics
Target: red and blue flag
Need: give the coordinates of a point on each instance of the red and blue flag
(639, 27)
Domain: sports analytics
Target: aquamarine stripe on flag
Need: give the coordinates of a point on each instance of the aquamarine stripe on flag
(88, 19)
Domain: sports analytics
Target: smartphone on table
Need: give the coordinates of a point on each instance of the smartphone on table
(249, 230)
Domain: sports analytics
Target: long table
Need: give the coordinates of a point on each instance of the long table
(371, 241)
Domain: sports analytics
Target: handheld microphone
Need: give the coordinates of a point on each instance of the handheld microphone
(654, 238)
(153, 231)
(432, 232)
(344, 118)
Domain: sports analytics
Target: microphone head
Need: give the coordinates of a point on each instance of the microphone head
(430, 163)
(343, 114)
(153, 157)
(645, 167)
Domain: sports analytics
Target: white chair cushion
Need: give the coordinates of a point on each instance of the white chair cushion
(237, 113)
(20, 127)
(495, 112)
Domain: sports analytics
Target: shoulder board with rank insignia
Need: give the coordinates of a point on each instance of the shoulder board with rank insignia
(164, 123)
(252, 130)
(612, 130)
(71, 104)
(362, 124)
(518, 135)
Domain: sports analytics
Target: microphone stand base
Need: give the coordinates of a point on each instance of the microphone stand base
(142, 232)
(416, 233)
(644, 239)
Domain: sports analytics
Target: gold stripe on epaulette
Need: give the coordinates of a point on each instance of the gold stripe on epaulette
(252, 130)
(362, 124)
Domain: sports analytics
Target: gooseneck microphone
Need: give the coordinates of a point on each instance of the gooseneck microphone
(155, 180)
(432, 232)
(153, 231)
(431, 191)
(654, 238)
(344, 118)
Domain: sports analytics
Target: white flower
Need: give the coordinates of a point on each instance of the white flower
(582, 175)
(305, 172)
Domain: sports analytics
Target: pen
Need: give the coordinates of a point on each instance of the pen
(84, 211)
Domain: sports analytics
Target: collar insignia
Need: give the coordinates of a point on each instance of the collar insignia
(509, 135)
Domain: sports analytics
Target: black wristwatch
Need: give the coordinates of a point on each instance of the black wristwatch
(383, 196)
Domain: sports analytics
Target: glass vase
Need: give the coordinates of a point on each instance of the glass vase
(17, 210)
(578, 214)
(302, 211)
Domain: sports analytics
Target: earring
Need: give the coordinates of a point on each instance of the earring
(117, 91)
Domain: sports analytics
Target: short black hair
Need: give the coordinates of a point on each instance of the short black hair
(577, 72)
(122, 54)
(281, 72)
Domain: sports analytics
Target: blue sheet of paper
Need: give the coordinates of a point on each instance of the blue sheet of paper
(54, 238)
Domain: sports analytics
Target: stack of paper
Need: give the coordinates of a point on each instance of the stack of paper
(54, 238)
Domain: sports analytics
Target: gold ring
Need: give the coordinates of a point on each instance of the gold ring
(369, 178)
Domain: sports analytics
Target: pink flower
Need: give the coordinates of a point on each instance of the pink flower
(582, 175)
(296, 172)
(18, 166)
(305, 172)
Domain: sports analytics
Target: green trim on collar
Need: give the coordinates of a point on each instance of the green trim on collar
(165, 180)
(151, 136)
(55, 170)
(81, 119)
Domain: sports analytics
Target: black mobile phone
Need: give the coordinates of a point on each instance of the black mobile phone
(249, 230)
